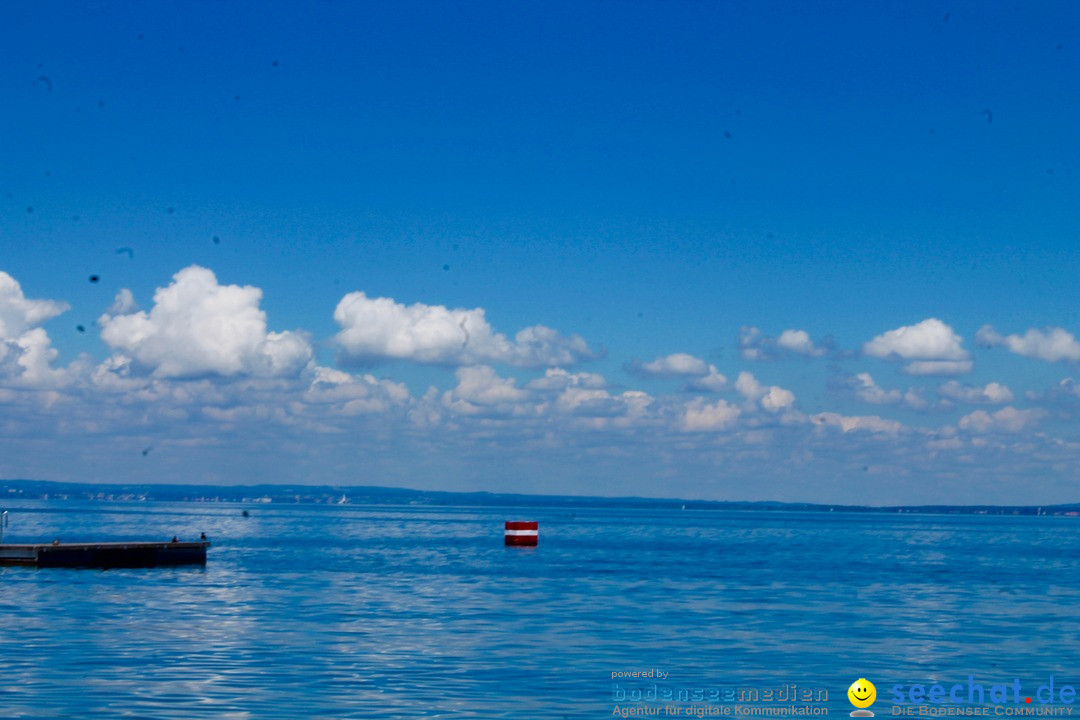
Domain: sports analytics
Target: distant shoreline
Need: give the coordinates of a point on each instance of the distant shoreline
(374, 495)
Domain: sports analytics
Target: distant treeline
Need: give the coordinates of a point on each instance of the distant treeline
(371, 495)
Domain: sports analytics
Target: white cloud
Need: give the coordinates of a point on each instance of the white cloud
(352, 394)
(481, 385)
(712, 382)
(18, 313)
(33, 357)
(1051, 344)
(1068, 387)
(700, 376)
(777, 399)
(589, 403)
(750, 342)
(798, 341)
(26, 352)
(869, 391)
(933, 346)
(929, 340)
(992, 393)
(773, 398)
(1064, 395)
(329, 425)
(638, 405)
(481, 390)
(748, 386)
(755, 346)
(198, 327)
(1005, 420)
(674, 365)
(379, 329)
(123, 303)
(560, 379)
(938, 367)
(852, 423)
(699, 416)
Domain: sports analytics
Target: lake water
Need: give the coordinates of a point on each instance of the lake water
(394, 612)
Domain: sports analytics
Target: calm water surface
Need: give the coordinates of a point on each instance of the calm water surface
(396, 612)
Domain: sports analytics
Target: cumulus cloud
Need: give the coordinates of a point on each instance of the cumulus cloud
(699, 375)
(381, 329)
(560, 379)
(777, 399)
(852, 423)
(870, 392)
(123, 303)
(772, 397)
(991, 393)
(929, 340)
(748, 386)
(674, 365)
(755, 346)
(585, 395)
(1067, 388)
(19, 313)
(1005, 420)
(480, 390)
(26, 352)
(199, 327)
(932, 346)
(199, 366)
(938, 367)
(28, 358)
(1051, 344)
(599, 409)
(798, 341)
(713, 381)
(353, 395)
(750, 343)
(482, 393)
(700, 416)
(589, 403)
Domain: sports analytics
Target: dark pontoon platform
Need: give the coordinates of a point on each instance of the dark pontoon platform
(105, 555)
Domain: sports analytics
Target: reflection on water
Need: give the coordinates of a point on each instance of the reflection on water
(354, 612)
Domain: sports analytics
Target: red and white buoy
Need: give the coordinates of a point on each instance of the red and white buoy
(522, 532)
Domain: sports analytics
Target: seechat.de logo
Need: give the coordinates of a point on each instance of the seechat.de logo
(862, 695)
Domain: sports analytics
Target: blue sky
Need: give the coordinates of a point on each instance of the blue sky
(792, 251)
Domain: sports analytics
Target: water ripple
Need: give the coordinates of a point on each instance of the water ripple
(353, 612)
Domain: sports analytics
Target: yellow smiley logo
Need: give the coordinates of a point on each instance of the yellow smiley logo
(862, 694)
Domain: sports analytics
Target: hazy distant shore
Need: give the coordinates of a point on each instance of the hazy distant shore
(372, 495)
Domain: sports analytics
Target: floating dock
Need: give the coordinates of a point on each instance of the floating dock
(106, 555)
